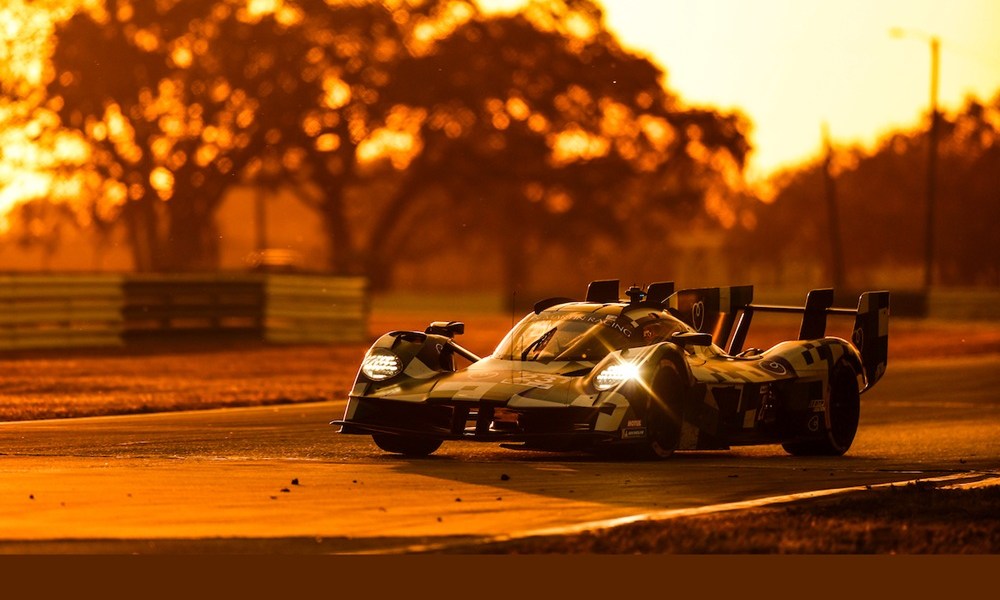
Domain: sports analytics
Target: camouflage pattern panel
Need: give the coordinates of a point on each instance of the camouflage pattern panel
(810, 358)
(615, 411)
(711, 310)
(700, 429)
(871, 334)
(513, 383)
(509, 382)
(424, 356)
(814, 314)
(785, 361)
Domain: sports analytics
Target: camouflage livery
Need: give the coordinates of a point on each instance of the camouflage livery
(656, 372)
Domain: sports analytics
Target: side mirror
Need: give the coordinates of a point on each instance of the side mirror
(446, 328)
(685, 339)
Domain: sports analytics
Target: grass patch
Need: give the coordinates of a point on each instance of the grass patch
(911, 519)
(48, 385)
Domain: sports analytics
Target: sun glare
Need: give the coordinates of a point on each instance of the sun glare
(789, 66)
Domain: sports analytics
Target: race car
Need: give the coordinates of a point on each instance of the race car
(640, 376)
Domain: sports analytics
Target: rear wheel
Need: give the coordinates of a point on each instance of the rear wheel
(843, 411)
(406, 445)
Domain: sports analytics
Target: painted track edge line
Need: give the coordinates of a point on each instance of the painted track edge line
(674, 513)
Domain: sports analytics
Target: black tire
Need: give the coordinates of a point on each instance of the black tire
(663, 417)
(844, 412)
(406, 445)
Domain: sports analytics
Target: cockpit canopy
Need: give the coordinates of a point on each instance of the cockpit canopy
(585, 335)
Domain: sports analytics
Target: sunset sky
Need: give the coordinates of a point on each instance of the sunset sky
(791, 65)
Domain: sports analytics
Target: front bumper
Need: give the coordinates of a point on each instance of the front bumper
(485, 421)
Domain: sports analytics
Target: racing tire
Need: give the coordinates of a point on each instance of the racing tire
(663, 419)
(843, 412)
(406, 445)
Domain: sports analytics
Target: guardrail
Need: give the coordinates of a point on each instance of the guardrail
(192, 305)
(39, 311)
(302, 309)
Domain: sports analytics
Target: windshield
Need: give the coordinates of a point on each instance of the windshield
(580, 336)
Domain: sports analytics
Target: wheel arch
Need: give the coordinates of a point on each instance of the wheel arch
(852, 358)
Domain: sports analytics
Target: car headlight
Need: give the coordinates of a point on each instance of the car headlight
(615, 374)
(381, 364)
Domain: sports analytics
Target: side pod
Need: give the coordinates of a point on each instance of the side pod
(871, 326)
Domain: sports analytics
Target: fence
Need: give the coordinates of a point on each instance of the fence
(40, 311)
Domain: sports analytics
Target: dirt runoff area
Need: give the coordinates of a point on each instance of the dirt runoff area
(47, 384)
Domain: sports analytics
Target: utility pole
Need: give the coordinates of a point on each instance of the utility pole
(932, 156)
(833, 217)
(932, 152)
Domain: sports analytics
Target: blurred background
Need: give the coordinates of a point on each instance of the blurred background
(505, 147)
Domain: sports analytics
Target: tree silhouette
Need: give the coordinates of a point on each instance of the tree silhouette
(532, 126)
(123, 78)
(540, 126)
(180, 100)
(882, 204)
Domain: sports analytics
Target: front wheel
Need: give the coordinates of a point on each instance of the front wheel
(843, 411)
(406, 445)
(663, 418)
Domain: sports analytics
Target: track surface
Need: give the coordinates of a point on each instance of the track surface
(222, 480)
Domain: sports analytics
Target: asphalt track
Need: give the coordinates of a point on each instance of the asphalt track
(278, 479)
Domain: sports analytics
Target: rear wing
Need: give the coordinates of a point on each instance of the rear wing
(871, 326)
(714, 311)
(710, 310)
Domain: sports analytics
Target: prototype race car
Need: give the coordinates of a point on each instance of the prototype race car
(641, 376)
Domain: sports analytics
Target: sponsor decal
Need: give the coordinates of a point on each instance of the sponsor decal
(635, 423)
(538, 380)
(816, 405)
(612, 322)
(859, 338)
(475, 374)
(773, 366)
(631, 433)
(609, 321)
(698, 314)
(388, 391)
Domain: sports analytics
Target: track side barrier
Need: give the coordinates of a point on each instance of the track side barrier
(46, 311)
(38, 311)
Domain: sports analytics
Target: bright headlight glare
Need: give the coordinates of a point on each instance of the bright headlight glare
(615, 374)
(381, 364)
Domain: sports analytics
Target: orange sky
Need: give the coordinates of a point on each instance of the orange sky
(790, 65)
(793, 64)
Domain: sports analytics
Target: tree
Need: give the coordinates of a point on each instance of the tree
(539, 120)
(43, 168)
(881, 196)
(540, 125)
(182, 99)
(165, 125)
